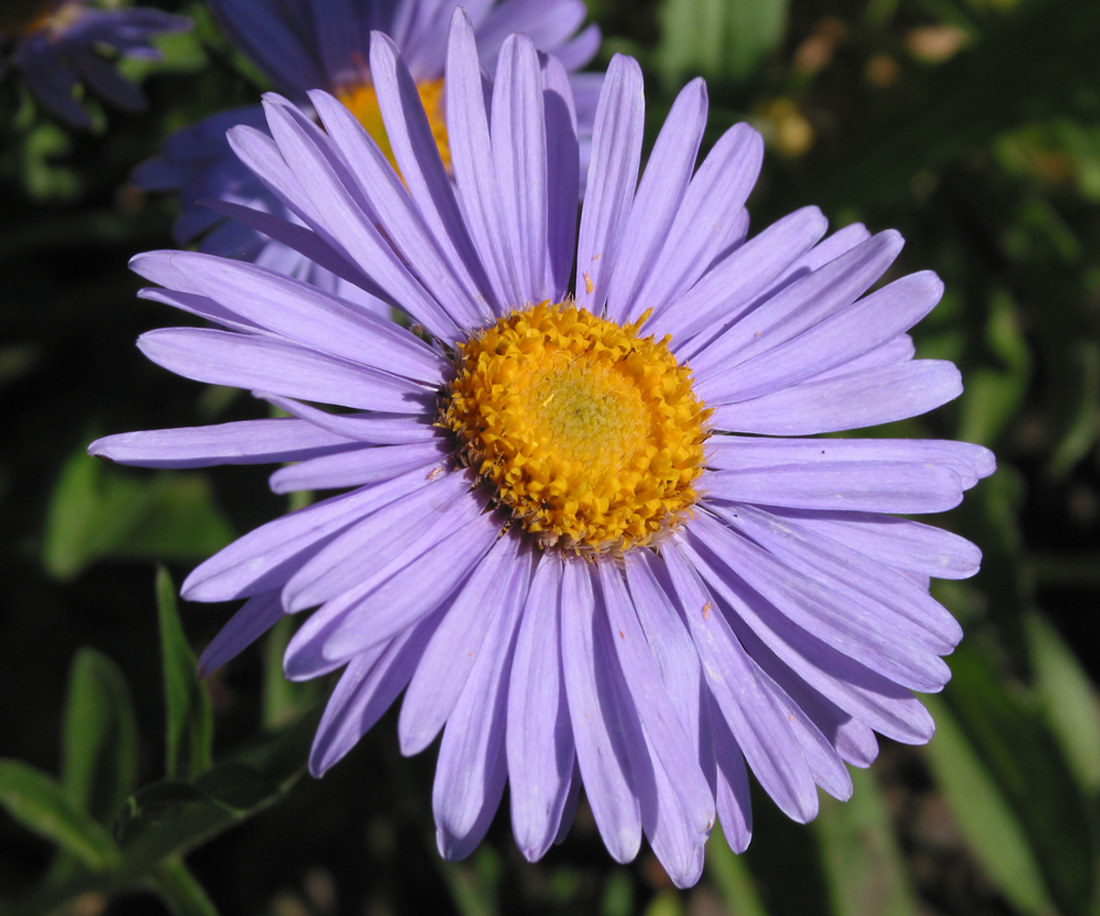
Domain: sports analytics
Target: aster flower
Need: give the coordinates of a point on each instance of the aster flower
(59, 44)
(325, 44)
(591, 534)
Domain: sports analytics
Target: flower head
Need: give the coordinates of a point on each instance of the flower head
(57, 46)
(590, 533)
(325, 44)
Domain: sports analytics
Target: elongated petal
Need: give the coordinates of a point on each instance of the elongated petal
(242, 442)
(470, 775)
(538, 734)
(600, 751)
(453, 649)
(612, 175)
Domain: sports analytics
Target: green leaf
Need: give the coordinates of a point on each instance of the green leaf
(189, 722)
(860, 856)
(1069, 701)
(666, 903)
(732, 877)
(180, 891)
(39, 803)
(96, 512)
(722, 40)
(99, 739)
(994, 392)
(1011, 790)
(283, 701)
(172, 817)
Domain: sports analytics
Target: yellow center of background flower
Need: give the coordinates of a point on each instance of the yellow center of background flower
(591, 435)
(362, 101)
(24, 17)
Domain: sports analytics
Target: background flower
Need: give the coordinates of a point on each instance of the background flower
(324, 44)
(767, 612)
(58, 46)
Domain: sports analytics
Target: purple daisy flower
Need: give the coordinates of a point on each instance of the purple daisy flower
(303, 45)
(58, 46)
(590, 534)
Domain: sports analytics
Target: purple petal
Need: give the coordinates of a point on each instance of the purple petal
(733, 285)
(872, 634)
(242, 361)
(612, 175)
(740, 453)
(672, 745)
(472, 157)
(905, 545)
(364, 428)
(454, 647)
(417, 155)
(365, 691)
(601, 754)
(360, 467)
(411, 593)
(539, 739)
(828, 561)
(242, 442)
(659, 195)
(701, 224)
(258, 615)
(518, 131)
(838, 339)
(470, 774)
(267, 556)
(865, 486)
(744, 695)
(851, 401)
(801, 305)
(426, 509)
(296, 311)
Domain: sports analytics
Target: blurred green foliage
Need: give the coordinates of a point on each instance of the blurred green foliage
(973, 126)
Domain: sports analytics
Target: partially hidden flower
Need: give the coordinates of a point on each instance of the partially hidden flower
(60, 45)
(591, 532)
(325, 44)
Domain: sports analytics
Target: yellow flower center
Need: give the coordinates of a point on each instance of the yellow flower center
(591, 435)
(362, 101)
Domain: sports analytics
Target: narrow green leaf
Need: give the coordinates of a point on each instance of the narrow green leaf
(97, 512)
(732, 877)
(1011, 789)
(860, 856)
(992, 829)
(283, 701)
(99, 739)
(39, 803)
(189, 724)
(666, 903)
(722, 40)
(1070, 703)
(173, 817)
(180, 890)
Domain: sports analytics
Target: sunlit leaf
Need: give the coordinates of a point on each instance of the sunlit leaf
(99, 740)
(180, 890)
(1070, 702)
(97, 512)
(730, 874)
(863, 865)
(40, 804)
(1011, 791)
(189, 721)
(722, 40)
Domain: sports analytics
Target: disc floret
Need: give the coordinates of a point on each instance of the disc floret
(590, 434)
